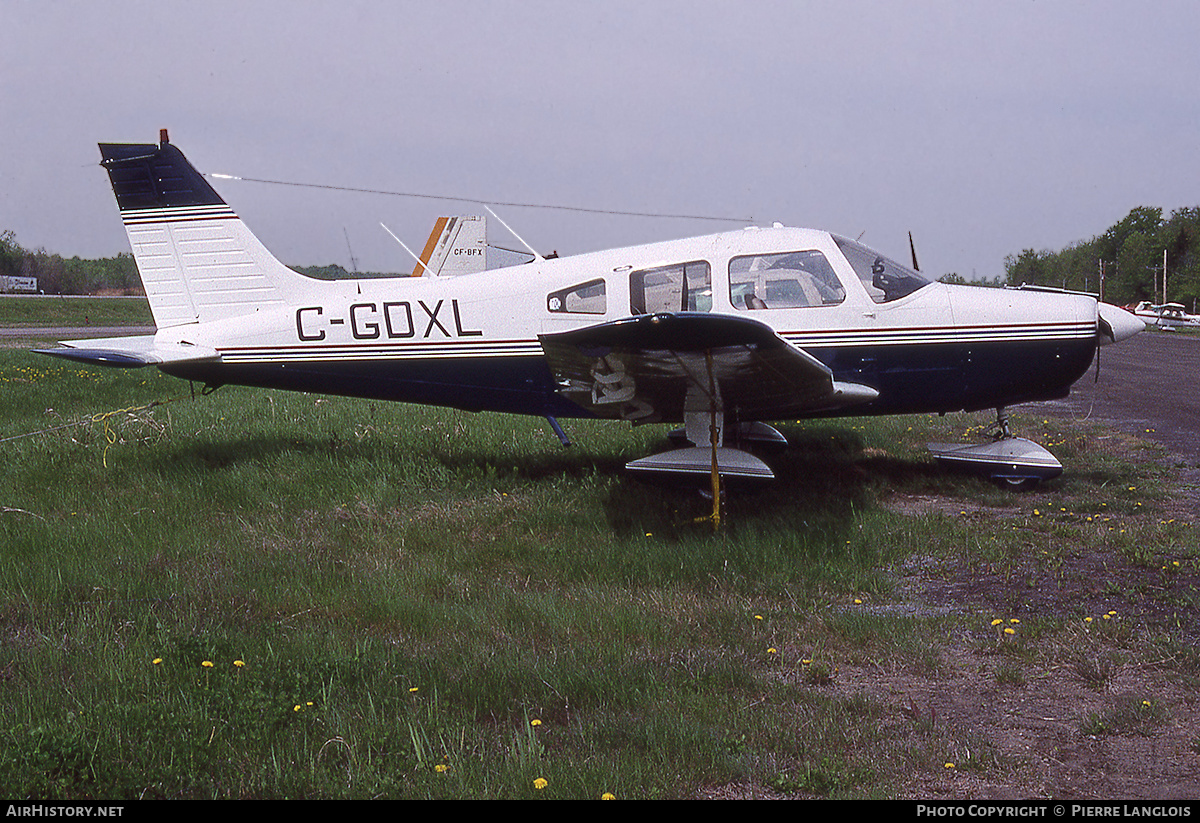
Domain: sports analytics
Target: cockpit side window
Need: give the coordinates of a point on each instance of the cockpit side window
(586, 298)
(681, 287)
(885, 280)
(791, 280)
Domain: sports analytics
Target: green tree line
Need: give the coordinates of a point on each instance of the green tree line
(1131, 255)
(106, 275)
(59, 275)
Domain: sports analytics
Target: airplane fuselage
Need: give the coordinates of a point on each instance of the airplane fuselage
(471, 341)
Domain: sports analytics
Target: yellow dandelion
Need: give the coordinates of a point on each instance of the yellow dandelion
(608, 796)
(1087, 619)
(1014, 621)
(758, 617)
(535, 722)
(857, 602)
(207, 664)
(297, 707)
(1010, 630)
(413, 690)
(1146, 703)
(997, 622)
(949, 765)
(540, 783)
(156, 661)
(441, 768)
(771, 650)
(239, 663)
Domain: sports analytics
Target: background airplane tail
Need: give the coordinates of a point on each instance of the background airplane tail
(457, 245)
(198, 261)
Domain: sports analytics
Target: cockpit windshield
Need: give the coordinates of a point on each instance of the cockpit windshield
(885, 279)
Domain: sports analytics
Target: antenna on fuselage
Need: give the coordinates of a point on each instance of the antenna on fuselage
(913, 248)
(532, 250)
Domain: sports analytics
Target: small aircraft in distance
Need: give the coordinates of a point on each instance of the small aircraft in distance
(1168, 316)
(722, 333)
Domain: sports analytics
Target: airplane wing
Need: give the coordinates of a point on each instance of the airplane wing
(130, 352)
(655, 367)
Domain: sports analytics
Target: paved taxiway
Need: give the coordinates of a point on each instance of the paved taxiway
(75, 332)
(1149, 386)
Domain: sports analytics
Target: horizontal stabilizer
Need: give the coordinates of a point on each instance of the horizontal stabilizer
(130, 352)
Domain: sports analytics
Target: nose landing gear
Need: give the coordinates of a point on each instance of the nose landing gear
(1012, 462)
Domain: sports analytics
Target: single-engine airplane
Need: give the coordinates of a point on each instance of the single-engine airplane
(722, 333)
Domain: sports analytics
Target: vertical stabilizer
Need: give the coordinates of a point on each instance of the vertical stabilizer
(197, 260)
(457, 245)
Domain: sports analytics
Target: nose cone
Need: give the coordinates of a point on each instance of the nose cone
(1116, 324)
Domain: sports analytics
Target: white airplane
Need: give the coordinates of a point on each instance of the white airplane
(722, 333)
(1165, 315)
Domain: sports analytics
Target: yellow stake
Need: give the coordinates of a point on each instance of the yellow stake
(712, 439)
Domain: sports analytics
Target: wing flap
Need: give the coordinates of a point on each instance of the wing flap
(653, 368)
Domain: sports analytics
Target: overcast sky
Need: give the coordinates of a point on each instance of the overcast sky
(983, 128)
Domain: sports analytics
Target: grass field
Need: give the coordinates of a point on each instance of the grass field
(19, 311)
(259, 594)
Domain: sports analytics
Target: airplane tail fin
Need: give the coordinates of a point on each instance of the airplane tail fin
(457, 245)
(198, 261)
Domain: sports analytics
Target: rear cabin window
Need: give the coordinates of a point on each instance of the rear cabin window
(682, 287)
(586, 298)
(792, 280)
